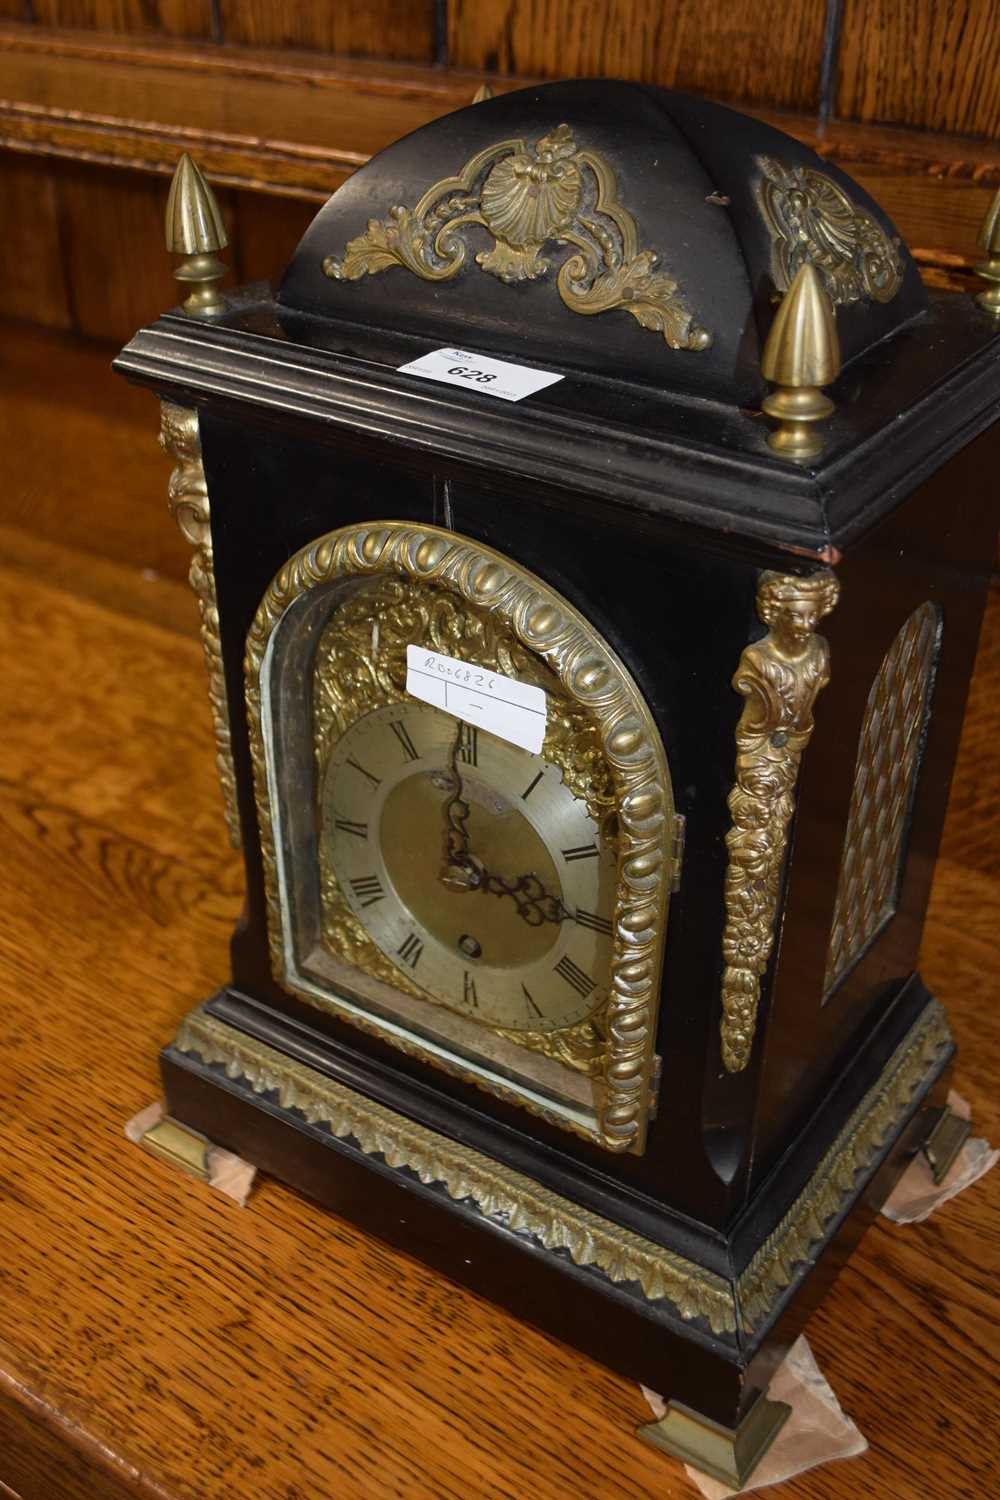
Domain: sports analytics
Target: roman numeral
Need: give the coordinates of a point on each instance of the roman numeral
(360, 830)
(468, 744)
(366, 774)
(403, 736)
(367, 889)
(410, 950)
(574, 977)
(469, 990)
(531, 1004)
(531, 787)
(594, 922)
(585, 851)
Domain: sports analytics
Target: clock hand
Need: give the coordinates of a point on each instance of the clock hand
(462, 871)
(533, 901)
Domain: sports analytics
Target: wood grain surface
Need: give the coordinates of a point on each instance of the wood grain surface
(156, 1340)
(189, 18)
(378, 28)
(718, 47)
(921, 62)
(33, 283)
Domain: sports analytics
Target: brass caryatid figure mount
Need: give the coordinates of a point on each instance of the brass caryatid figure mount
(802, 353)
(196, 231)
(780, 678)
(527, 196)
(989, 269)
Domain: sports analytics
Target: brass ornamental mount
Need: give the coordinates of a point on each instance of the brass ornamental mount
(780, 678)
(187, 498)
(989, 269)
(195, 230)
(811, 219)
(527, 195)
(802, 353)
(520, 1205)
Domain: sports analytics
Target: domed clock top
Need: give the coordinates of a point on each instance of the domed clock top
(593, 221)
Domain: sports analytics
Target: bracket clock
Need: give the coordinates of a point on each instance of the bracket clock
(589, 751)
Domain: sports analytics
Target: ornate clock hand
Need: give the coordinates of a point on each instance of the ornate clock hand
(460, 871)
(533, 901)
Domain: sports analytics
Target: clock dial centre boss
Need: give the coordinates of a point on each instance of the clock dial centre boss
(497, 912)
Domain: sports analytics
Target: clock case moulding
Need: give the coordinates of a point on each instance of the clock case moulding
(642, 489)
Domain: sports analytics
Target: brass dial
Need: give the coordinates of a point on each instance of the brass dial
(472, 866)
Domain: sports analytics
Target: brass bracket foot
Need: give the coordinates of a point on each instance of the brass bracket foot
(727, 1453)
(948, 1135)
(175, 1143)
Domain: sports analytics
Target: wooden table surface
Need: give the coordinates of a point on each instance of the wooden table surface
(158, 1341)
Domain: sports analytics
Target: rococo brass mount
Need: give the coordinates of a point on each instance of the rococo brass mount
(811, 218)
(187, 499)
(526, 196)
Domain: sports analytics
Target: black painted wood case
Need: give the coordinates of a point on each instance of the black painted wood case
(641, 490)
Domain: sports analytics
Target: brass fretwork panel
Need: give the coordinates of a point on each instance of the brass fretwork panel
(884, 777)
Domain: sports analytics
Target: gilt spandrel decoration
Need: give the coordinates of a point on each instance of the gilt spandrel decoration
(811, 218)
(780, 677)
(527, 196)
(187, 498)
(886, 769)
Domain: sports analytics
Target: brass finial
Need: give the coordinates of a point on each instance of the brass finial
(802, 353)
(195, 230)
(989, 269)
(483, 92)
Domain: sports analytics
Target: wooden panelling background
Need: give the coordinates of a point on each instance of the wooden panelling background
(374, 28)
(280, 100)
(189, 18)
(921, 62)
(732, 49)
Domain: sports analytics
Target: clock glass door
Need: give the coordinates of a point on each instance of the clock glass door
(483, 906)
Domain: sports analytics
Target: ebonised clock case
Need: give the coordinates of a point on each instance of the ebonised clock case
(663, 557)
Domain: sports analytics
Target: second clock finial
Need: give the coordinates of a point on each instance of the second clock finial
(802, 354)
(195, 230)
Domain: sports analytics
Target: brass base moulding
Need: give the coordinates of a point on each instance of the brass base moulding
(509, 1200)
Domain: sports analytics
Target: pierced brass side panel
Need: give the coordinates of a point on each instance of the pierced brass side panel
(187, 498)
(884, 781)
(780, 677)
(596, 689)
(811, 218)
(527, 195)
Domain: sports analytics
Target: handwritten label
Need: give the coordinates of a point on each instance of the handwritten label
(513, 710)
(477, 372)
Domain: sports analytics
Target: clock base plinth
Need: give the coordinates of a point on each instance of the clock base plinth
(730, 1454)
(287, 1099)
